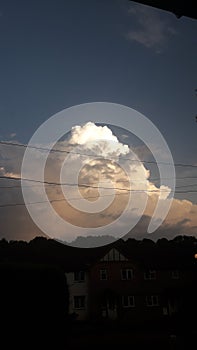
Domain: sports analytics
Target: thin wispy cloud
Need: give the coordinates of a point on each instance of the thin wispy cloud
(150, 28)
(12, 135)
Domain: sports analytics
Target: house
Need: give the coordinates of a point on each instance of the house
(114, 282)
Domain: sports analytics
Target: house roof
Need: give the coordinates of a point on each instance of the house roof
(148, 257)
(178, 8)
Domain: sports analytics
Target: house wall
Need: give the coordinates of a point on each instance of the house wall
(104, 298)
(77, 288)
(114, 288)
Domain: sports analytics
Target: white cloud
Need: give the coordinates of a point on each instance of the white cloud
(97, 138)
(109, 164)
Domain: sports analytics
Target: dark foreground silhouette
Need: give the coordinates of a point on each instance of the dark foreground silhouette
(34, 300)
(33, 305)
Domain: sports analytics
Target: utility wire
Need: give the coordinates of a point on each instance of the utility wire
(74, 184)
(75, 198)
(81, 185)
(94, 156)
(5, 177)
(88, 185)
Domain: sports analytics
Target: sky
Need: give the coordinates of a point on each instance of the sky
(58, 54)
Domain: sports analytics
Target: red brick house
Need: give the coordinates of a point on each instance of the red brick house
(113, 283)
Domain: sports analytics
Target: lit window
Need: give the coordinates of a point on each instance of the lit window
(152, 300)
(128, 301)
(103, 274)
(126, 274)
(79, 302)
(150, 275)
(79, 276)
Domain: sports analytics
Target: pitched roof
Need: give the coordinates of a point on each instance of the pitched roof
(178, 8)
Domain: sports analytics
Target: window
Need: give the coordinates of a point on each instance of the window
(128, 301)
(103, 274)
(150, 275)
(126, 274)
(79, 276)
(79, 302)
(175, 274)
(152, 300)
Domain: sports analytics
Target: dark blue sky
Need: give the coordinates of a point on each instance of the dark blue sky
(56, 54)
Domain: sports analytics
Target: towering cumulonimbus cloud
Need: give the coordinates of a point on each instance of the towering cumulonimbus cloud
(99, 141)
(102, 158)
(90, 134)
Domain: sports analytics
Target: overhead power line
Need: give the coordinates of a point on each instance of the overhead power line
(93, 156)
(75, 198)
(83, 185)
(86, 185)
